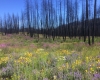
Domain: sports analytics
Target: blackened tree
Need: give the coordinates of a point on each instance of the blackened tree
(22, 23)
(1, 26)
(88, 29)
(5, 25)
(95, 3)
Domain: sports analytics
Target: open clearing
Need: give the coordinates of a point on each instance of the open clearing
(25, 58)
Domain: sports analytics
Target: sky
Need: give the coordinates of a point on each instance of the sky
(11, 6)
(15, 6)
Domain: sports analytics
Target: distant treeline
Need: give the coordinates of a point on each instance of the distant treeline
(55, 18)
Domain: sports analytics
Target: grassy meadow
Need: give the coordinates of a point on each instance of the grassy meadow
(25, 58)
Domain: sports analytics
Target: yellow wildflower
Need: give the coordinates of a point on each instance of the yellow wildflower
(28, 54)
(55, 77)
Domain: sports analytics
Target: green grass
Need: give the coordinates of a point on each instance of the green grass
(25, 58)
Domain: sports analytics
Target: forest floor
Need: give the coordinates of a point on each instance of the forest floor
(25, 58)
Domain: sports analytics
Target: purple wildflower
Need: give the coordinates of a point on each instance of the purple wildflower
(45, 78)
(96, 76)
(77, 75)
(3, 45)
